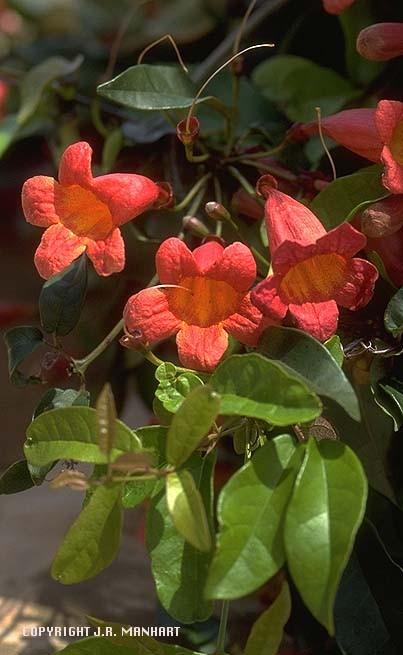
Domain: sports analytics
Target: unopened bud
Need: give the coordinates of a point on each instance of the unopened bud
(381, 41)
(217, 211)
(245, 204)
(188, 131)
(165, 196)
(383, 218)
(265, 184)
(196, 227)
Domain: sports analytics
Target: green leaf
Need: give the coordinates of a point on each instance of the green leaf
(323, 516)
(152, 438)
(151, 87)
(127, 646)
(172, 389)
(191, 423)
(282, 79)
(8, 131)
(21, 342)
(186, 508)
(92, 542)
(57, 398)
(251, 385)
(353, 20)
(267, 633)
(72, 433)
(62, 298)
(113, 144)
(310, 360)
(340, 200)
(335, 348)
(38, 79)
(394, 314)
(179, 570)
(251, 511)
(16, 478)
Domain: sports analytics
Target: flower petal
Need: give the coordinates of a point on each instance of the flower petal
(174, 261)
(359, 286)
(57, 249)
(344, 240)
(266, 298)
(236, 266)
(75, 165)
(201, 348)
(247, 324)
(38, 201)
(126, 195)
(336, 6)
(108, 255)
(392, 177)
(207, 256)
(147, 313)
(387, 115)
(319, 318)
(390, 250)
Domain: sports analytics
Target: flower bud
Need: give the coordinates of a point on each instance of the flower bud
(383, 218)
(188, 134)
(196, 227)
(245, 204)
(381, 41)
(217, 212)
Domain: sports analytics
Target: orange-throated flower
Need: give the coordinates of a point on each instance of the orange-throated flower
(203, 296)
(313, 270)
(376, 134)
(336, 6)
(83, 213)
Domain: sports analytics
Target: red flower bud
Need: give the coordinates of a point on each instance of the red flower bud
(383, 218)
(188, 134)
(196, 227)
(245, 204)
(217, 212)
(381, 42)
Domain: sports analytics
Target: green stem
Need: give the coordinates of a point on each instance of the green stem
(259, 155)
(222, 630)
(81, 365)
(242, 180)
(191, 194)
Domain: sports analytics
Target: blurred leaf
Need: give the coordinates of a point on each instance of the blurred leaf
(282, 79)
(353, 20)
(152, 438)
(179, 570)
(106, 420)
(38, 79)
(92, 542)
(251, 512)
(62, 298)
(267, 632)
(147, 128)
(339, 200)
(113, 144)
(151, 87)
(72, 433)
(307, 357)
(16, 478)
(8, 132)
(191, 423)
(186, 508)
(394, 314)
(335, 348)
(322, 520)
(57, 398)
(21, 342)
(251, 385)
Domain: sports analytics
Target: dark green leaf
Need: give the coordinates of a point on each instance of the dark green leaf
(267, 632)
(323, 516)
(394, 314)
(339, 201)
(191, 423)
(93, 540)
(16, 478)
(309, 359)
(72, 433)
(251, 385)
(179, 570)
(151, 87)
(62, 298)
(21, 342)
(282, 79)
(251, 512)
(388, 390)
(186, 508)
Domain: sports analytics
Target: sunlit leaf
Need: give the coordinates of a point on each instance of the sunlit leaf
(186, 508)
(267, 632)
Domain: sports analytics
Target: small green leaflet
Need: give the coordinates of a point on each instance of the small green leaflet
(267, 633)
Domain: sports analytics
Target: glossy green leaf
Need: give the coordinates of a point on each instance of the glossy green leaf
(191, 423)
(72, 433)
(282, 79)
(152, 438)
(335, 348)
(179, 570)
(57, 398)
(267, 633)
(16, 478)
(308, 358)
(62, 298)
(186, 508)
(150, 87)
(126, 646)
(251, 385)
(394, 314)
(21, 342)
(92, 542)
(339, 200)
(38, 79)
(251, 511)
(323, 516)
